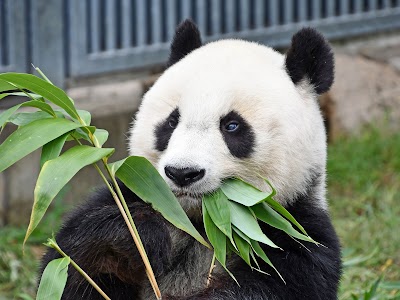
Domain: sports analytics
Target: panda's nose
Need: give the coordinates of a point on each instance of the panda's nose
(184, 177)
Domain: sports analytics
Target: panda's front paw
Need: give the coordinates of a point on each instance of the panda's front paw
(155, 237)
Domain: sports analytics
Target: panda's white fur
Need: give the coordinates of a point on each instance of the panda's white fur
(251, 79)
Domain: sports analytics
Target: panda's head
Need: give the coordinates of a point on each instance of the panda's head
(233, 108)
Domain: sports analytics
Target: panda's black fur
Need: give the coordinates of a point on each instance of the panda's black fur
(97, 239)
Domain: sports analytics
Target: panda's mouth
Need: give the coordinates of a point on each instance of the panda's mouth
(186, 194)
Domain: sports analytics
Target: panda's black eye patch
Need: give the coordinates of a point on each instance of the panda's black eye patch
(172, 122)
(232, 126)
(165, 129)
(238, 135)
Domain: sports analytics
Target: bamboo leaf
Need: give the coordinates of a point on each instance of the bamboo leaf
(27, 139)
(52, 149)
(20, 94)
(280, 209)
(241, 234)
(244, 248)
(41, 105)
(53, 279)
(43, 88)
(218, 209)
(215, 236)
(56, 173)
(139, 175)
(260, 253)
(101, 136)
(116, 165)
(22, 119)
(5, 115)
(271, 217)
(243, 219)
(5, 86)
(82, 133)
(85, 116)
(241, 192)
(255, 261)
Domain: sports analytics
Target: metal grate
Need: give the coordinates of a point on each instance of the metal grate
(4, 35)
(123, 24)
(13, 36)
(75, 38)
(111, 35)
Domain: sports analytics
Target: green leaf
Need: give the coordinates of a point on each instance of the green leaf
(5, 86)
(244, 248)
(255, 261)
(241, 234)
(5, 115)
(85, 116)
(41, 105)
(243, 219)
(56, 173)
(53, 279)
(52, 149)
(21, 119)
(242, 192)
(280, 209)
(260, 253)
(215, 236)
(371, 293)
(27, 139)
(218, 208)
(101, 136)
(248, 241)
(20, 94)
(271, 217)
(139, 175)
(82, 133)
(116, 165)
(43, 88)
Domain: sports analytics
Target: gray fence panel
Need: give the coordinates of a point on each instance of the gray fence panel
(13, 36)
(272, 22)
(77, 38)
(137, 54)
(171, 18)
(47, 39)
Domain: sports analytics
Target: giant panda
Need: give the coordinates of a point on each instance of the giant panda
(229, 108)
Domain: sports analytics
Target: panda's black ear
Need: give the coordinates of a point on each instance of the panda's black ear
(187, 38)
(310, 56)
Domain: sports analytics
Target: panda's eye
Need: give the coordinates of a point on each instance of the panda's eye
(232, 126)
(172, 122)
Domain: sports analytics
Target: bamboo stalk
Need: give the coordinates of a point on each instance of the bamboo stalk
(126, 214)
(211, 270)
(53, 244)
(135, 235)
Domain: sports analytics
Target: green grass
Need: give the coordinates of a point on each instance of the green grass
(18, 268)
(364, 196)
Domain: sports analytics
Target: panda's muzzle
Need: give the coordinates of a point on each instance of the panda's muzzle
(184, 176)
